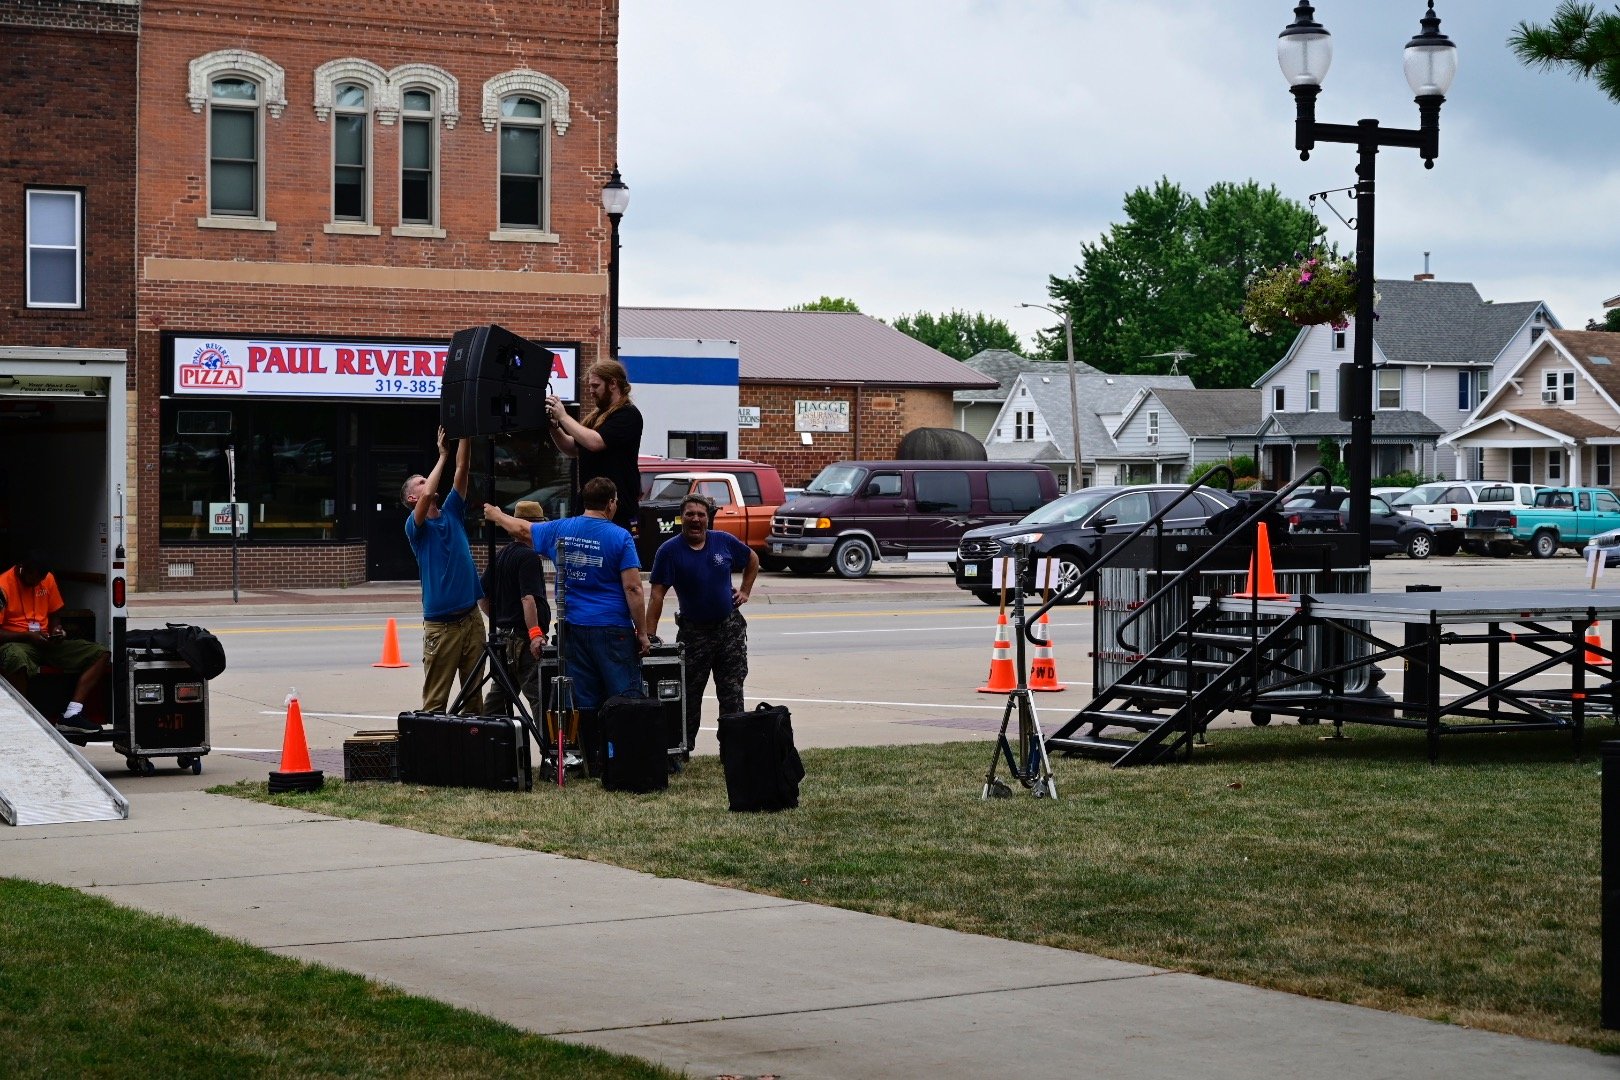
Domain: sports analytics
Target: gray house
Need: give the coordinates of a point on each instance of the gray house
(1166, 431)
(1034, 422)
(1436, 347)
(976, 410)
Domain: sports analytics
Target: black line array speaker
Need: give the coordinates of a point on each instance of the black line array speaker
(494, 382)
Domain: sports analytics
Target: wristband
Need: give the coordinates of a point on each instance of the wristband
(535, 633)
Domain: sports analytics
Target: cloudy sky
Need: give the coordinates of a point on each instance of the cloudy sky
(936, 154)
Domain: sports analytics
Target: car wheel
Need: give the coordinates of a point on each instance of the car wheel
(1544, 545)
(1447, 545)
(808, 567)
(1069, 570)
(852, 558)
(988, 596)
(1419, 546)
(768, 561)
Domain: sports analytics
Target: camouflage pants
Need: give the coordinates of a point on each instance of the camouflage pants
(719, 649)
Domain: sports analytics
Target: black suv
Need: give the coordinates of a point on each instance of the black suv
(1068, 530)
(1389, 533)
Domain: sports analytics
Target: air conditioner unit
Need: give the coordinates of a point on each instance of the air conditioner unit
(1152, 440)
(1549, 397)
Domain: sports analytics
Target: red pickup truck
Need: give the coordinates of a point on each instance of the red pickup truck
(745, 494)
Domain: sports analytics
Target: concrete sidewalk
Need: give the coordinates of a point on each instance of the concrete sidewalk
(713, 980)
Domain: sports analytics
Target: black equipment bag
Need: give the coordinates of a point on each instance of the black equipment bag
(762, 765)
(193, 644)
(634, 754)
(464, 751)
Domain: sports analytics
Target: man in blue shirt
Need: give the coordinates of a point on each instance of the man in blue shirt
(600, 604)
(698, 564)
(452, 628)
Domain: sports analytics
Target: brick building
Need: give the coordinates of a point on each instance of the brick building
(821, 386)
(329, 192)
(67, 286)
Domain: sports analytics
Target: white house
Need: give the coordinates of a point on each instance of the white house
(1165, 432)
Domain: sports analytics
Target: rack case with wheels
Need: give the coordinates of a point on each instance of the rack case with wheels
(161, 710)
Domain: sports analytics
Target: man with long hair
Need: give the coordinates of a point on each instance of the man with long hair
(606, 440)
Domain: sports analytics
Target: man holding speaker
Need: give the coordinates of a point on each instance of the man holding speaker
(452, 627)
(601, 608)
(606, 441)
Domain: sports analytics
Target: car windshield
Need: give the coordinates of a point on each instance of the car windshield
(1422, 496)
(836, 480)
(1069, 508)
(668, 488)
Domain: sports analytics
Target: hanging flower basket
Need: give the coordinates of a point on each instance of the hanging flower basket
(1319, 287)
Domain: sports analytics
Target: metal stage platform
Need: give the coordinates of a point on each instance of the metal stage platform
(1526, 633)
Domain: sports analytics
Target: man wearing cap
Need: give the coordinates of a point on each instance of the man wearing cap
(452, 628)
(30, 637)
(515, 601)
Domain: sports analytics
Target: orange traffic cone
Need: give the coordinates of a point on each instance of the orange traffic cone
(390, 656)
(1594, 639)
(1043, 668)
(1262, 583)
(1003, 672)
(296, 772)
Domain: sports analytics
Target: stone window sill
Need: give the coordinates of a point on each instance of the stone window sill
(525, 236)
(428, 232)
(245, 224)
(351, 228)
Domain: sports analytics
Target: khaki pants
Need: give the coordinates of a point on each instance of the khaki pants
(449, 650)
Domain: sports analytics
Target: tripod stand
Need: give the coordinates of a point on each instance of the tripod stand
(492, 666)
(1029, 766)
(563, 715)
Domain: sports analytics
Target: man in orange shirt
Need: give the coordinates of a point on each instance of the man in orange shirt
(30, 637)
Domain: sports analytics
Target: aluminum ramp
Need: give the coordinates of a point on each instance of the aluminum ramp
(44, 780)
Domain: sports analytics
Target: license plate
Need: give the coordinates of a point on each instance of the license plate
(969, 570)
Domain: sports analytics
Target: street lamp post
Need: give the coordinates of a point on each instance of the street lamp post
(1074, 393)
(1304, 52)
(615, 200)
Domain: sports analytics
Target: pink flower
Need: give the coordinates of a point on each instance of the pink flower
(1305, 277)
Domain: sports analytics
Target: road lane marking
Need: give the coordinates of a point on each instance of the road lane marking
(904, 630)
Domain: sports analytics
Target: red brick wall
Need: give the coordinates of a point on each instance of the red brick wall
(879, 417)
(68, 120)
(572, 41)
(260, 567)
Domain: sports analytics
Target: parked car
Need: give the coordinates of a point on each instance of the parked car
(1445, 505)
(761, 484)
(855, 512)
(1071, 529)
(1561, 517)
(733, 513)
(1389, 533)
(1499, 505)
(1390, 494)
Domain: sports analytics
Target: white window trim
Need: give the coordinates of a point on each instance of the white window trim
(1378, 390)
(530, 83)
(1339, 340)
(268, 74)
(352, 69)
(78, 248)
(1279, 398)
(446, 90)
(1313, 391)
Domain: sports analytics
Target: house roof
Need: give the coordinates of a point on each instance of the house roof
(1204, 414)
(820, 347)
(1567, 423)
(1099, 395)
(1040, 452)
(1005, 366)
(1598, 353)
(1390, 423)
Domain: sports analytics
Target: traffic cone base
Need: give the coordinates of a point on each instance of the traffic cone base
(1003, 672)
(390, 653)
(1594, 638)
(296, 772)
(1043, 668)
(1262, 582)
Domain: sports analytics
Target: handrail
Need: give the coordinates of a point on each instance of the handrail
(1234, 533)
(1108, 556)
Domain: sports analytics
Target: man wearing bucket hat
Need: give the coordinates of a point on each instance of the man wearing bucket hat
(515, 601)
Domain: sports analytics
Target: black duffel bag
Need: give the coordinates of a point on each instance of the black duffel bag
(762, 765)
(193, 644)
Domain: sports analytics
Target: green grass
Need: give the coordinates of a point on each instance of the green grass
(1347, 870)
(89, 988)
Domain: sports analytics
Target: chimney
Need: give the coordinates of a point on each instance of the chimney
(1425, 276)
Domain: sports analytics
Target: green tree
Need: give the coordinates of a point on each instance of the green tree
(1609, 322)
(1578, 38)
(1171, 277)
(828, 303)
(959, 334)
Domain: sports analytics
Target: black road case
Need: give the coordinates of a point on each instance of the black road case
(160, 710)
(663, 676)
(464, 751)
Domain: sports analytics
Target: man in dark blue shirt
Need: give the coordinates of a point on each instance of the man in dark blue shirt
(452, 627)
(698, 564)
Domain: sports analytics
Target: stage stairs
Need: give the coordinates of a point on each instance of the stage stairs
(1214, 662)
(43, 778)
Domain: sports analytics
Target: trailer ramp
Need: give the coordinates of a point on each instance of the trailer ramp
(44, 779)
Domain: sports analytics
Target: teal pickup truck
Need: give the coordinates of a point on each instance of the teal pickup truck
(1559, 517)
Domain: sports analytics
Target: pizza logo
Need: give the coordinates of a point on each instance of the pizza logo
(210, 369)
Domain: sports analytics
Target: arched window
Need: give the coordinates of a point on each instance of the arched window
(418, 158)
(351, 153)
(523, 156)
(235, 148)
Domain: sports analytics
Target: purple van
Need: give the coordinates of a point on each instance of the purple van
(854, 512)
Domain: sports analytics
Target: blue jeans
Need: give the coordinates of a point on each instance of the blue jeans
(602, 661)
